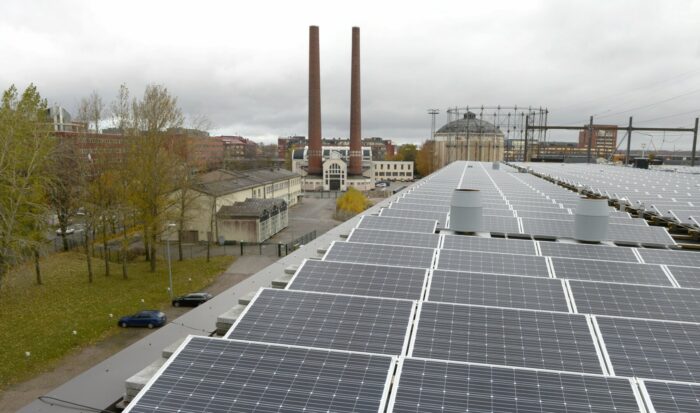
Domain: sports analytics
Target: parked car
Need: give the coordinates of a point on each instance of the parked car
(381, 185)
(69, 231)
(146, 318)
(191, 300)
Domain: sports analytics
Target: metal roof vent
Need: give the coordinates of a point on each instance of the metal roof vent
(592, 216)
(466, 210)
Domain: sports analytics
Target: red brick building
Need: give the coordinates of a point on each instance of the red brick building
(603, 139)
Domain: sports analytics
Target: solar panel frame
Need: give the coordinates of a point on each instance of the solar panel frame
(440, 217)
(609, 271)
(328, 311)
(670, 257)
(323, 374)
(397, 224)
(514, 332)
(492, 263)
(504, 245)
(414, 257)
(437, 386)
(409, 283)
(671, 397)
(652, 349)
(587, 251)
(406, 239)
(635, 301)
(505, 291)
(686, 277)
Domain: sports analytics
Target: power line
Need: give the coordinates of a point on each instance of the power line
(651, 104)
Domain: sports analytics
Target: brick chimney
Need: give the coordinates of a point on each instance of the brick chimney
(314, 155)
(355, 167)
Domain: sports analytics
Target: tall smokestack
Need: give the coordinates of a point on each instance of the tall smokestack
(315, 167)
(355, 167)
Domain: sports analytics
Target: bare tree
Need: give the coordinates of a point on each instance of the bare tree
(90, 111)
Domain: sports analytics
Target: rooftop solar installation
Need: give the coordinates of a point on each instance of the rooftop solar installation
(398, 224)
(517, 338)
(436, 321)
(380, 254)
(492, 263)
(339, 322)
(506, 246)
(216, 375)
(498, 290)
(683, 258)
(662, 350)
(654, 191)
(610, 271)
(636, 301)
(436, 386)
(672, 397)
(407, 239)
(359, 279)
(585, 251)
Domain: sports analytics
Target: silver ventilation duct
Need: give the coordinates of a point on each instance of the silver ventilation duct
(592, 216)
(466, 210)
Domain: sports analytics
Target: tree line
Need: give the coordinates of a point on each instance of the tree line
(42, 174)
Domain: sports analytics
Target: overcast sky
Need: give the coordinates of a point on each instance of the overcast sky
(244, 64)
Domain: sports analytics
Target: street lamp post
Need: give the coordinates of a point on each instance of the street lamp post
(170, 269)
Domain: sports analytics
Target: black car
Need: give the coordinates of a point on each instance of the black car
(191, 300)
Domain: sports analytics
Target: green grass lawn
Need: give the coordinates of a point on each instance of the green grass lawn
(39, 324)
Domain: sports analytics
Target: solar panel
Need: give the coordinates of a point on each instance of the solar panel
(338, 322)
(517, 338)
(684, 258)
(440, 217)
(497, 290)
(636, 301)
(672, 397)
(562, 214)
(502, 245)
(435, 386)
(492, 263)
(216, 375)
(380, 254)
(687, 277)
(610, 271)
(592, 252)
(397, 224)
(418, 207)
(359, 279)
(408, 239)
(491, 223)
(649, 349)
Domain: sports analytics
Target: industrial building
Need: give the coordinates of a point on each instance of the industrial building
(335, 169)
(253, 220)
(277, 188)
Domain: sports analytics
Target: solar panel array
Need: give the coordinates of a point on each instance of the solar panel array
(671, 192)
(406, 316)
